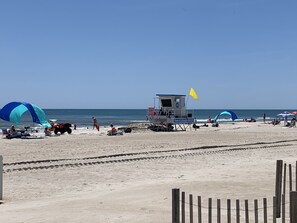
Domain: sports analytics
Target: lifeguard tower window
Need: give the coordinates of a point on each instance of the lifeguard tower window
(166, 103)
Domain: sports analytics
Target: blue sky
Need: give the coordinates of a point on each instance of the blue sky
(120, 53)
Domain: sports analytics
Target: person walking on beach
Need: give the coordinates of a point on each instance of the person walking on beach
(95, 123)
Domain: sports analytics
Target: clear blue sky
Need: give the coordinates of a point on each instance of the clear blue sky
(120, 53)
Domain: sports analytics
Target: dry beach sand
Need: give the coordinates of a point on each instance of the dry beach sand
(91, 177)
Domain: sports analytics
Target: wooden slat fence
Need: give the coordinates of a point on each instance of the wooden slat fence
(280, 208)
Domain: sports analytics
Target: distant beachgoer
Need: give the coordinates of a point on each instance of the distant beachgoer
(209, 119)
(47, 132)
(12, 130)
(13, 133)
(286, 121)
(162, 112)
(113, 130)
(95, 124)
(264, 117)
(74, 126)
(53, 125)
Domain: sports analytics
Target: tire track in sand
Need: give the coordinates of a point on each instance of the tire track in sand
(139, 156)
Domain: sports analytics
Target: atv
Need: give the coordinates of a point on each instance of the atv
(62, 128)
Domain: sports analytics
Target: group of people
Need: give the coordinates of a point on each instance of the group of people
(16, 133)
(13, 133)
(112, 131)
(48, 131)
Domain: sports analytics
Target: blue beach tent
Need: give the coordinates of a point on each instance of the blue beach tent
(231, 113)
(13, 111)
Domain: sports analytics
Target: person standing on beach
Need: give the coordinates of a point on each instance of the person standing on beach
(209, 119)
(264, 117)
(95, 123)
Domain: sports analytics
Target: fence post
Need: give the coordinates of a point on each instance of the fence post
(218, 210)
(278, 187)
(293, 206)
(284, 208)
(274, 209)
(1, 178)
(199, 210)
(237, 211)
(256, 210)
(183, 207)
(228, 210)
(209, 210)
(247, 211)
(175, 205)
(285, 178)
(284, 195)
(265, 209)
(296, 177)
(191, 207)
(290, 177)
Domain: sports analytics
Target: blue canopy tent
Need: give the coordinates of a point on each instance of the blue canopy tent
(230, 113)
(13, 111)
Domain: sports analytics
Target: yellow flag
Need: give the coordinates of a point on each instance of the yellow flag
(193, 93)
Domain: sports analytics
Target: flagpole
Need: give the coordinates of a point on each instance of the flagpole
(194, 95)
(187, 105)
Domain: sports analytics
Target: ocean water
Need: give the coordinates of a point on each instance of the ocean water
(83, 117)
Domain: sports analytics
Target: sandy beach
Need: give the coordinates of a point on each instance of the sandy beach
(91, 177)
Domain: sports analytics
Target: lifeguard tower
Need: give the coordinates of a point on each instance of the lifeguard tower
(170, 112)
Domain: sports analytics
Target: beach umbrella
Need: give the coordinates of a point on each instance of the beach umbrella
(294, 113)
(13, 111)
(285, 114)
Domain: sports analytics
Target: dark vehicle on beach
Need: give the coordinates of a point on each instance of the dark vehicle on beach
(62, 128)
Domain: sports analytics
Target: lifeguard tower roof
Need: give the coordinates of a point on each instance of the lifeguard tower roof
(170, 95)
